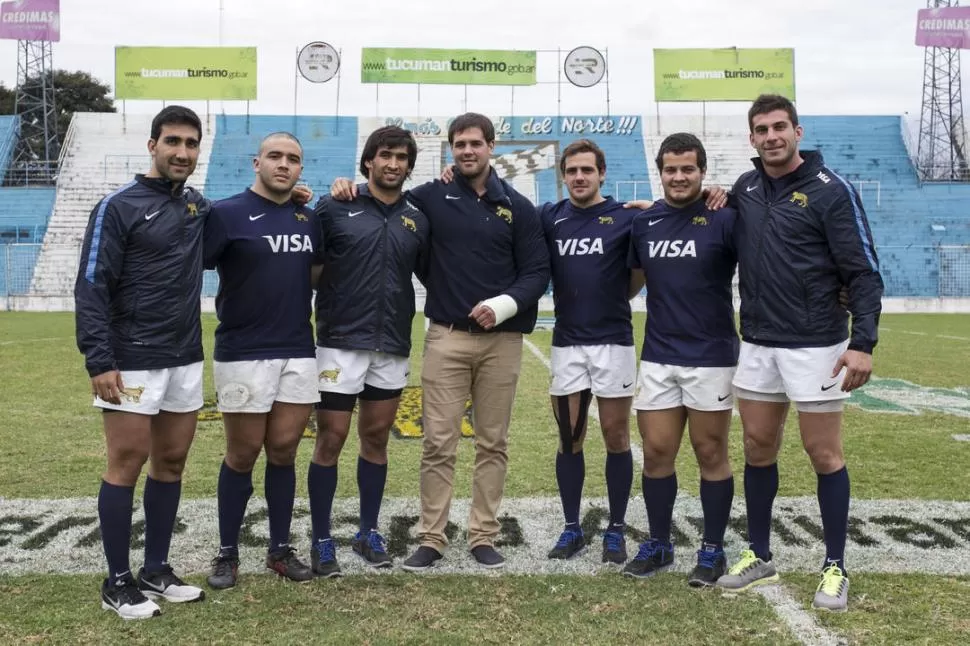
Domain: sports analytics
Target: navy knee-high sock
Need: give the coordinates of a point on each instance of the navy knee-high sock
(659, 495)
(234, 491)
(114, 511)
(716, 498)
(321, 487)
(371, 478)
(570, 476)
(760, 488)
(161, 501)
(280, 489)
(619, 481)
(833, 503)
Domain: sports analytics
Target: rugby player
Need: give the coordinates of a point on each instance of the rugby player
(264, 246)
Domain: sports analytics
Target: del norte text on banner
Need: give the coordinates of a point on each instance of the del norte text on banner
(448, 66)
(730, 74)
(184, 73)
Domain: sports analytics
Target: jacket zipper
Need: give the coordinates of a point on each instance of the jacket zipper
(382, 304)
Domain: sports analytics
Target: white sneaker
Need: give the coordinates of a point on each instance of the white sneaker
(165, 585)
(833, 591)
(124, 598)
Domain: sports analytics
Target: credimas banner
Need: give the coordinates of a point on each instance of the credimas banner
(448, 66)
(182, 73)
(722, 74)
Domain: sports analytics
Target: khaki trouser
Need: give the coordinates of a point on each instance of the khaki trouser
(456, 364)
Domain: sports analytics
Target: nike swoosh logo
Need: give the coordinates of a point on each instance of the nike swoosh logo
(149, 216)
(625, 386)
(146, 582)
(653, 222)
(253, 218)
(351, 214)
(721, 398)
(748, 189)
(830, 386)
(452, 197)
(558, 221)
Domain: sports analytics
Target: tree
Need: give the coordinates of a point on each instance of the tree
(73, 92)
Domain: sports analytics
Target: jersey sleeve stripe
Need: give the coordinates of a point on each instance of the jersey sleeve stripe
(857, 211)
(96, 235)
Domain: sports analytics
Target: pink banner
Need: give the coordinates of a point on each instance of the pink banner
(943, 27)
(31, 20)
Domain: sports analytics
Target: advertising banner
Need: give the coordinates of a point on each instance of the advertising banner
(184, 73)
(730, 74)
(31, 20)
(448, 66)
(943, 27)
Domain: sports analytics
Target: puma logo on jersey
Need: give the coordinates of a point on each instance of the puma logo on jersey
(672, 249)
(580, 247)
(799, 198)
(293, 243)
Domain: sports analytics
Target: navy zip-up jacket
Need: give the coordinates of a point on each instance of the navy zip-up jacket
(365, 299)
(136, 297)
(800, 238)
(482, 247)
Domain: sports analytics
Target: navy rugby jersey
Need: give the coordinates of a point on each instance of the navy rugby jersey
(263, 252)
(689, 258)
(590, 278)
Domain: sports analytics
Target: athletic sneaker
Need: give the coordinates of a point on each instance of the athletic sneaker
(372, 548)
(123, 597)
(748, 572)
(571, 543)
(833, 591)
(324, 558)
(653, 557)
(488, 557)
(423, 558)
(711, 565)
(225, 570)
(614, 547)
(285, 563)
(165, 585)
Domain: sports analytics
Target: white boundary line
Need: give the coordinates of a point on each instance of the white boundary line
(938, 336)
(802, 624)
(43, 340)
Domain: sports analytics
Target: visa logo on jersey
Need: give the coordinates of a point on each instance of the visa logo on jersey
(580, 247)
(672, 249)
(293, 243)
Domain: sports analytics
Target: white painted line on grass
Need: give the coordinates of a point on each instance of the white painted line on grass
(802, 624)
(961, 438)
(952, 338)
(635, 449)
(914, 333)
(43, 340)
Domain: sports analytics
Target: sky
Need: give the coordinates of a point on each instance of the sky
(851, 56)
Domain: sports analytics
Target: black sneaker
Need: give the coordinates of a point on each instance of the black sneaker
(225, 570)
(324, 558)
(165, 585)
(423, 558)
(372, 548)
(488, 557)
(571, 543)
(123, 597)
(711, 565)
(614, 547)
(285, 563)
(653, 557)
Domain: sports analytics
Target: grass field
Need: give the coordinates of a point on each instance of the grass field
(53, 451)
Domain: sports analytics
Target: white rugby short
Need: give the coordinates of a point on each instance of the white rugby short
(252, 386)
(661, 386)
(799, 374)
(175, 390)
(606, 370)
(346, 371)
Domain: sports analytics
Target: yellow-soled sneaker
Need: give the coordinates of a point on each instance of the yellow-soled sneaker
(748, 572)
(832, 593)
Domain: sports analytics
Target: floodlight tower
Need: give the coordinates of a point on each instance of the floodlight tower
(38, 149)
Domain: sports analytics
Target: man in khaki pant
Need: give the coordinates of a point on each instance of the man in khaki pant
(488, 267)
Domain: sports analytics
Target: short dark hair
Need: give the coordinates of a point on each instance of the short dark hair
(388, 137)
(175, 115)
(583, 146)
(468, 120)
(280, 133)
(769, 103)
(680, 143)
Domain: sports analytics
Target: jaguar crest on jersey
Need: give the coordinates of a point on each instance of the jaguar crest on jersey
(193, 209)
(699, 220)
(606, 219)
(799, 198)
(504, 213)
(408, 223)
(300, 217)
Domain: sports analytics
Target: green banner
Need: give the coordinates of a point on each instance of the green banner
(449, 66)
(722, 74)
(182, 73)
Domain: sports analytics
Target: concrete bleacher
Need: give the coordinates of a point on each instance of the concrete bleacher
(9, 130)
